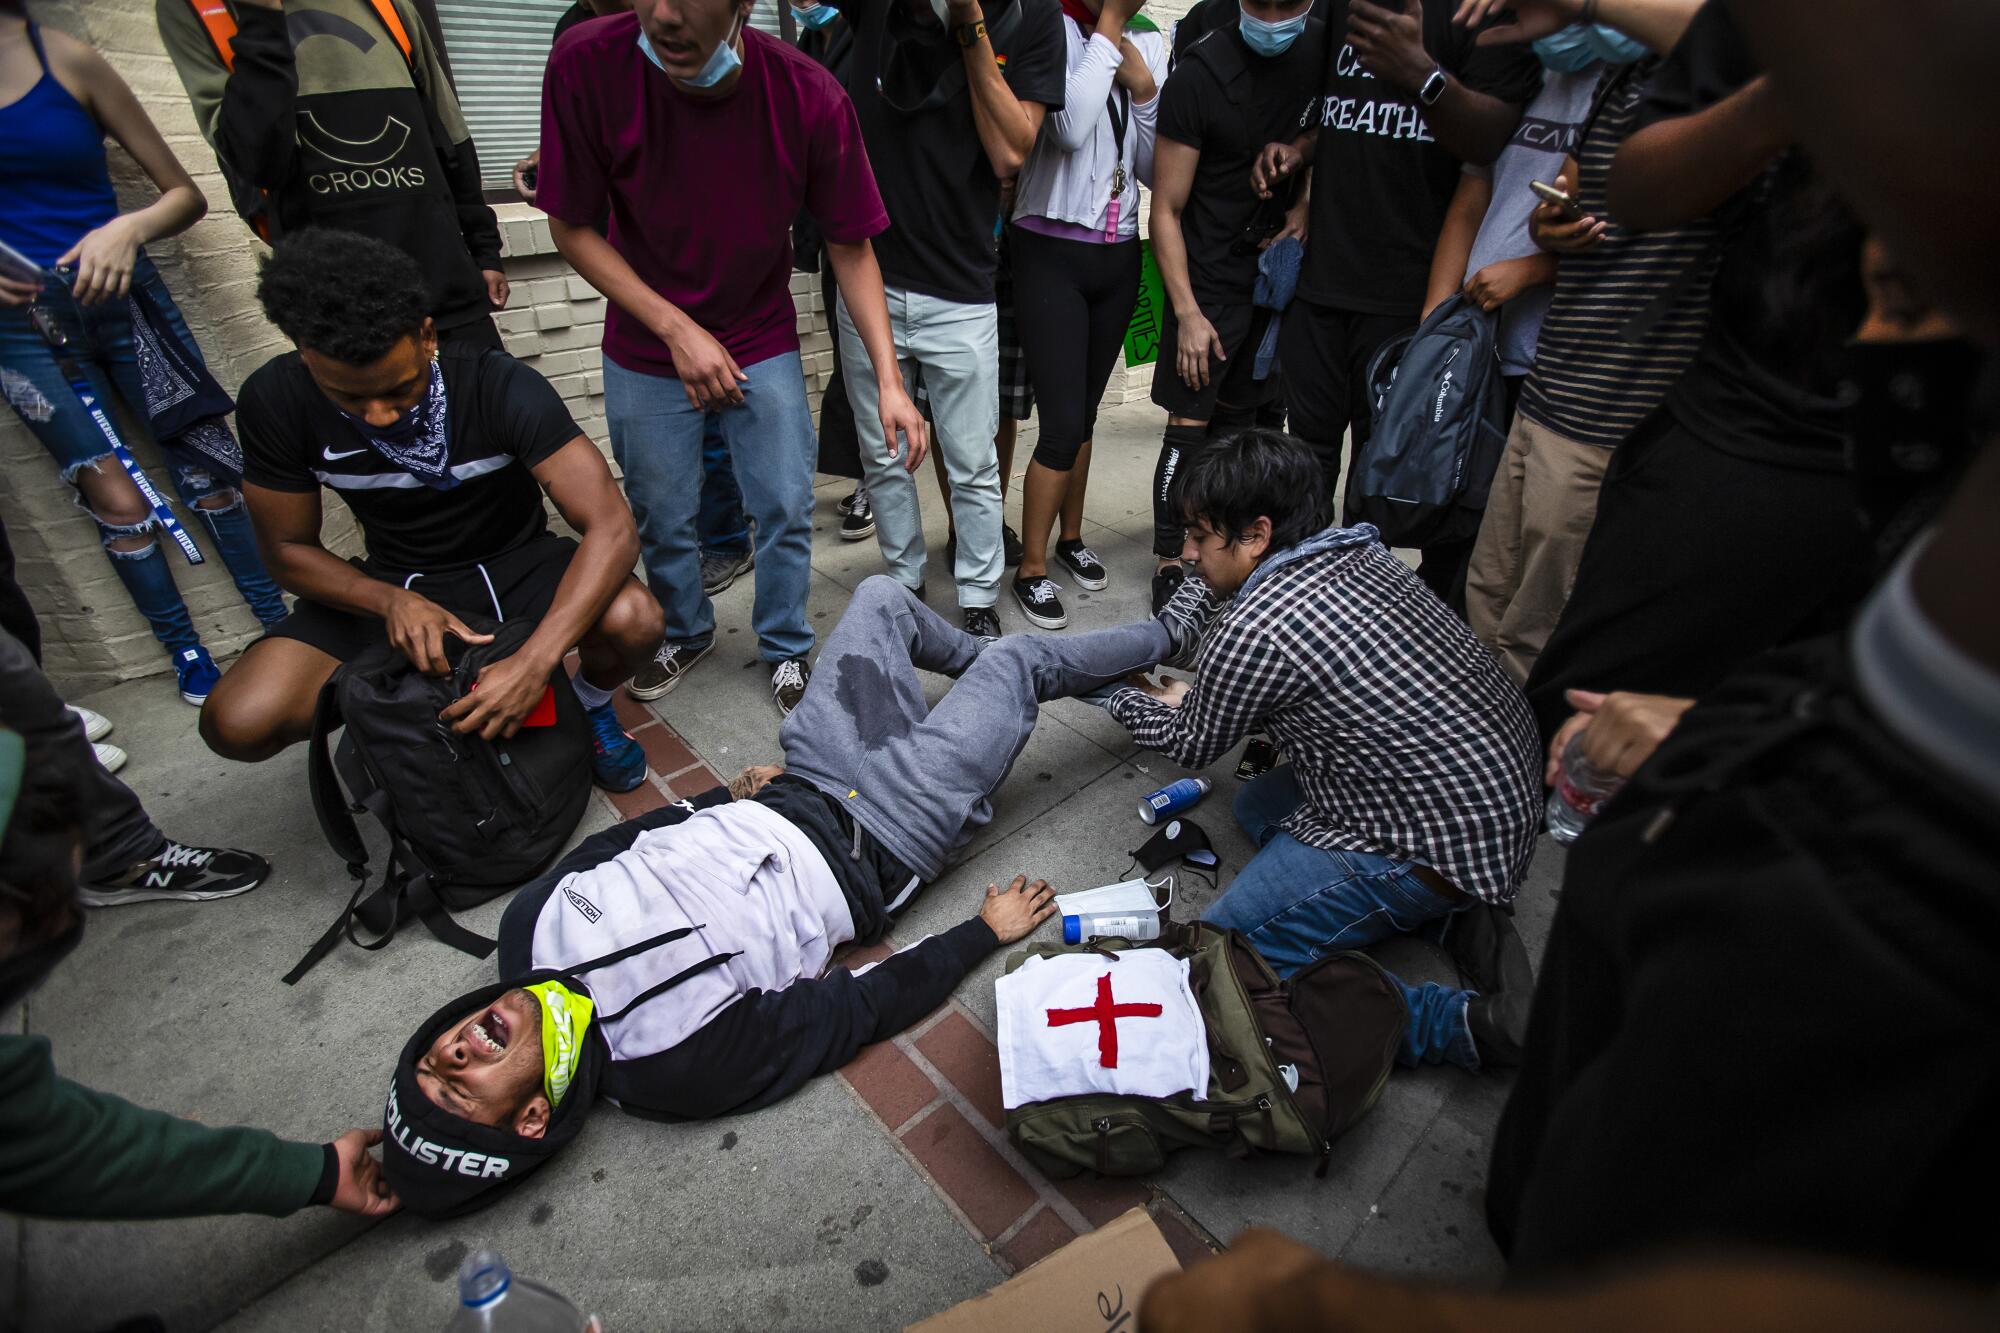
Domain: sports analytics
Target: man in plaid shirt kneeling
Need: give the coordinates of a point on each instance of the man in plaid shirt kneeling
(1413, 789)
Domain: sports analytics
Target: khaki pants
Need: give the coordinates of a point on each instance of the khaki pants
(1538, 515)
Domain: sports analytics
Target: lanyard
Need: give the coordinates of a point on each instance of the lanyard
(1119, 105)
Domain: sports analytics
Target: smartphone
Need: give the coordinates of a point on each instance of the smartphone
(14, 264)
(1570, 208)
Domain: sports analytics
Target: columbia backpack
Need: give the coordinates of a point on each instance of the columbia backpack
(467, 819)
(1440, 423)
(1336, 1026)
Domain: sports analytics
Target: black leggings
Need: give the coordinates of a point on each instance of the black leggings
(1072, 303)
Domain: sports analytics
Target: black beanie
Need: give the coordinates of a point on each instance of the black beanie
(442, 1165)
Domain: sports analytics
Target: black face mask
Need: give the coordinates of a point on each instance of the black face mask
(1911, 426)
(25, 969)
(1177, 840)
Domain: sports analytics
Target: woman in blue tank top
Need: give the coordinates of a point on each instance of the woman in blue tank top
(78, 275)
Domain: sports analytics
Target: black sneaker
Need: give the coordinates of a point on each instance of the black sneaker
(1492, 960)
(982, 623)
(1041, 601)
(1083, 565)
(666, 669)
(183, 873)
(719, 571)
(788, 683)
(1165, 584)
(1010, 547)
(846, 506)
(858, 516)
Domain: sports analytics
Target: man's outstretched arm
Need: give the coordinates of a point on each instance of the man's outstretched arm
(771, 1043)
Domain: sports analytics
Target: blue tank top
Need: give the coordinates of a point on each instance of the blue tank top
(54, 185)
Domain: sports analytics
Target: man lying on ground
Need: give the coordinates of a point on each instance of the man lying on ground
(443, 453)
(1412, 790)
(673, 963)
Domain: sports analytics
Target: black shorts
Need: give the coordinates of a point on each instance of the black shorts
(1231, 380)
(523, 582)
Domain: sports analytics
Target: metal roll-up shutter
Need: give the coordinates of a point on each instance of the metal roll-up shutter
(498, 49)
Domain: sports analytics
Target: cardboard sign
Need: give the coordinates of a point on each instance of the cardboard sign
(1142, 335)
(1091, 1285)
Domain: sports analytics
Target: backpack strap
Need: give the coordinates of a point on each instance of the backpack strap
(386, 11)
(221, 26)
(330, 806)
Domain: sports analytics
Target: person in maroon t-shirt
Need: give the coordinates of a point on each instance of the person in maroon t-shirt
(701, 139)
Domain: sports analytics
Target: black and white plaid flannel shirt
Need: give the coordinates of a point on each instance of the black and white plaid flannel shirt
(1405, 736)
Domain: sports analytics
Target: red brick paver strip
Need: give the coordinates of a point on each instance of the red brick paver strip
(968, 1171)
(1187, 1247)
(631, 804)
(1041, 1236)
(963, 1054)
(1100, 1200)
(632, 713)
(894, 1088)
(694, 782)
(665, 751)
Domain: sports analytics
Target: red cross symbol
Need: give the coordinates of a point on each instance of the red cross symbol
(1106, 1015)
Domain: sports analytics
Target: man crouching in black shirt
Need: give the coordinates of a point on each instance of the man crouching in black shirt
(443, 455)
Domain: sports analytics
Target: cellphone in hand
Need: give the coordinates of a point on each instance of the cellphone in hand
(1571, 209)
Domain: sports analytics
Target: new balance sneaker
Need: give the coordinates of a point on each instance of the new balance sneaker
(96, 726)
(789, 679)
(719, 571)
(673, 661)
(1041, 601)
(1166, 583)
(616, 761)
(195, 673)
(1082, 564)
(857, 516)
(982, 623)
(109, 755)
(1010, 546)
(183, 873)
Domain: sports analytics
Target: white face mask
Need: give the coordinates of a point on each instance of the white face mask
(721, 63)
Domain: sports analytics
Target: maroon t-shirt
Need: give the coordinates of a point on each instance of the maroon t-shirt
(701, 193)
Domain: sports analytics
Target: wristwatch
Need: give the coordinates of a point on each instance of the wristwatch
(968, 34)
(1433, 87)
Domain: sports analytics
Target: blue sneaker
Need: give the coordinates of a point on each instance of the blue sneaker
(194, 671)
(616, 761)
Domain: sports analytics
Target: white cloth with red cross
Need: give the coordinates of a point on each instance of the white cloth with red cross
(1079, 1023)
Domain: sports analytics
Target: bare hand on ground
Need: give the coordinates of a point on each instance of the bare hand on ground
(1012, 913)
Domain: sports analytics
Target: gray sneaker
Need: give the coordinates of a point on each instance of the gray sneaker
(719, 571)
(666, 669)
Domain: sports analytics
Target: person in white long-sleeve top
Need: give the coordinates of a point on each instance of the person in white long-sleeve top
(1075, 244)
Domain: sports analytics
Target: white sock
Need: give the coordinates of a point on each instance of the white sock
(592, 696)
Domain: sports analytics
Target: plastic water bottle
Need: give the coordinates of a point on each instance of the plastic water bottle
(1173, 798)
(1107, 925)
(492, 1300)
(1581, 791)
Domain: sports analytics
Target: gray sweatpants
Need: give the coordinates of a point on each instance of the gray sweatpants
(919, 778)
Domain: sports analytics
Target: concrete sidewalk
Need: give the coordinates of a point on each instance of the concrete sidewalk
(870, 1199)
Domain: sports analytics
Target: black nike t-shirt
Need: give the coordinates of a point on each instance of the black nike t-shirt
(1381, 182)
(907, 78)
(501, 418)
(1227, 102)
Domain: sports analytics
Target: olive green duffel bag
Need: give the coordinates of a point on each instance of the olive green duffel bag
(1292, 1063)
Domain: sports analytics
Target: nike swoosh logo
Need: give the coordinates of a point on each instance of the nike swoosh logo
(331, 456)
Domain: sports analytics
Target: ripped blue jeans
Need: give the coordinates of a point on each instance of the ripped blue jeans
(34, 386)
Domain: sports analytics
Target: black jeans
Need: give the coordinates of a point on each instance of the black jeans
(1699, 559)
(117, 835)
(1072, 304)
(1764, 1015)
(1325, 352)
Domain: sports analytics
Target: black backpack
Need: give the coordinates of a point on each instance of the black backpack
(468, 819)
(1440, 423)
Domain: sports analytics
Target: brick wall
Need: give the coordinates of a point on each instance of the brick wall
(554, 321)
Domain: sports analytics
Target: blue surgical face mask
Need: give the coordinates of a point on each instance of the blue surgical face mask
(1267, 38)
(815, 16)
(1580, 45)
(721, 63)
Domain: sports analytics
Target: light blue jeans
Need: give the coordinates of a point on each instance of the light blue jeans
(656, 435)
(1296, 903)
(958, 348)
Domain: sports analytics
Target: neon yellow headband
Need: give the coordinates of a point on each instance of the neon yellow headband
(565, 1019)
